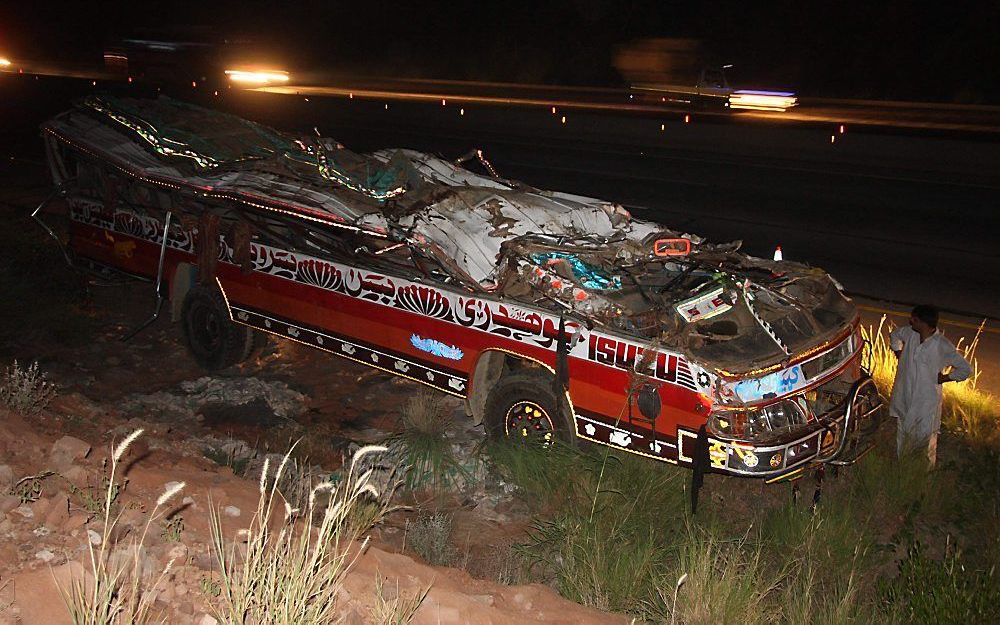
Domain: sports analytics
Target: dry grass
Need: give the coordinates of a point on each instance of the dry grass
(393, 607)
(501, 562)
(292, 563)
(430, 537)
(424, 412)
(27, 390)
(113, 593)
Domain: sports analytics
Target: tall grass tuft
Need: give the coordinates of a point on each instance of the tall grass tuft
(114, 593)
(826, 558)
(897, 484)
(810, 597)
(547, 477)
(602, 562)
(605, 542)
(424, 443)
(295, 560)
(725, 581)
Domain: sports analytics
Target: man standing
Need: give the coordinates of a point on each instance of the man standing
(923, 355)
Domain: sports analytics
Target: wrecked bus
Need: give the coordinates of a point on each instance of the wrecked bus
(554, 316)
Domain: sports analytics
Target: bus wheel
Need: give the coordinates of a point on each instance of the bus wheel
(214, 340)
(522, 406)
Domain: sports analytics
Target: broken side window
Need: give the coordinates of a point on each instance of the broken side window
(587, 275)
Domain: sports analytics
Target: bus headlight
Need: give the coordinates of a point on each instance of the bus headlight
(757, 423)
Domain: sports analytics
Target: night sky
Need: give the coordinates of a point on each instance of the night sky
(854, 48)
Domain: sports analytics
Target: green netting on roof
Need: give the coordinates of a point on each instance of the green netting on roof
(209, 139)
(217, 137)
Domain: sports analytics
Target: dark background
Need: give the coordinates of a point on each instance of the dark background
(899, 49)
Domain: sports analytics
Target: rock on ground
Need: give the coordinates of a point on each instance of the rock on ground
(68, 450)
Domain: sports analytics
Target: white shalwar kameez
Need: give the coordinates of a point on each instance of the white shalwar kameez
(916, 394)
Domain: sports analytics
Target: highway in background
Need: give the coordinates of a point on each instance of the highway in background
(647, 100)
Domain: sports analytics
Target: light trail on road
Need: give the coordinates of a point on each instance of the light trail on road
(388, 94)
(840, 113)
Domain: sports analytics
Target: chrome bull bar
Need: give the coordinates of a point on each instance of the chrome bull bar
(863, 416)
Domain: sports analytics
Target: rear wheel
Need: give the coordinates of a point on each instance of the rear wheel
(214, 340)
(522, 406)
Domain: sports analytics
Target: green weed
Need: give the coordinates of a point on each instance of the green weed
(605, 563)
(29, 488)
(209, 587)
(173, 527)
(98, 500)
(945, 591)
(541, 476)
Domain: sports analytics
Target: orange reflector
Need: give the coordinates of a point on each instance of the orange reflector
(672, 247)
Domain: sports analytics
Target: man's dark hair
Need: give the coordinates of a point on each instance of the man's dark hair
(926, 313)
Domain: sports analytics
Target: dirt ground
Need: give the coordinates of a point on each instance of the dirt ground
(55, 460)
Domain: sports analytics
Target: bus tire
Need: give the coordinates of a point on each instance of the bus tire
(213, 339)
(522, 406)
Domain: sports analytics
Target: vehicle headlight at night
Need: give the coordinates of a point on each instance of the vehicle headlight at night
(779, 416)
(759, 422)
(4, 62)
(259, 77)
(778, 101)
